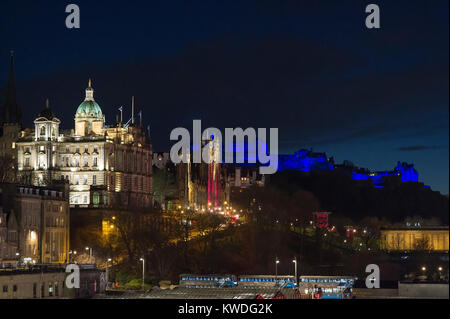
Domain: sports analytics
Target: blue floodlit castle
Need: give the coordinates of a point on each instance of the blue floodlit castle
(405, 171)
(307, 161)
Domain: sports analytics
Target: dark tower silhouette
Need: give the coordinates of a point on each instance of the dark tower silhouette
(10, 121)
(11, 113)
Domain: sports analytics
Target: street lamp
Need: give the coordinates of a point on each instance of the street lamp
(69, 254)
(424, 268)
(90, 254)
(276, 267)
(295, 265)
(107, 271)
(143, 272)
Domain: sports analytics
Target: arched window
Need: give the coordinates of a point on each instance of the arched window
(42, 130)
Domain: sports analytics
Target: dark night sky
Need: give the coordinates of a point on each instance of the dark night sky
(310, 68)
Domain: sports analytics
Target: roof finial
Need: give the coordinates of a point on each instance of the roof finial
(89, 83)
(12, 53)
(47, 104)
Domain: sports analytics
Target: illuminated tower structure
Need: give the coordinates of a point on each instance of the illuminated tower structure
(214, 172)
(200, 184)
(189, 196)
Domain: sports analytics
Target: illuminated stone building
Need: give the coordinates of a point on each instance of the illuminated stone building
(41, 222)
(8, 236)
(106, 166)
(415, 238)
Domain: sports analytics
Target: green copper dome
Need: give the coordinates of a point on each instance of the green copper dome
(89, 107)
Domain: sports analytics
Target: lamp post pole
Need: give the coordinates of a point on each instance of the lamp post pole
(143, 272)
(276, 267)
(90, 254)
(295, 269)
(107, 271)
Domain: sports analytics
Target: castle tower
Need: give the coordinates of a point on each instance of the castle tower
(46, 132)
(89, 118)
(11, 113)
(10, 118)
(46, 125)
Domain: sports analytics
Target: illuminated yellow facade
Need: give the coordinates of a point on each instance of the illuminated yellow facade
(426, 238)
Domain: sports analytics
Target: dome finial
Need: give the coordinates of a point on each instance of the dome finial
(47, 104)
(89, 83)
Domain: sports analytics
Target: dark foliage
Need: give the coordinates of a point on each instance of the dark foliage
(341, 195)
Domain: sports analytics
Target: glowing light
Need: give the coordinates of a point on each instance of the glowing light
(33, 236)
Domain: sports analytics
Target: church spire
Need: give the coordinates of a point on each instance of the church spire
(11, 111)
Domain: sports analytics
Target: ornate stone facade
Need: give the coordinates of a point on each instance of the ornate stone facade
(105, 166)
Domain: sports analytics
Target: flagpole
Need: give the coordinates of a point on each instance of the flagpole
(132, 109)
